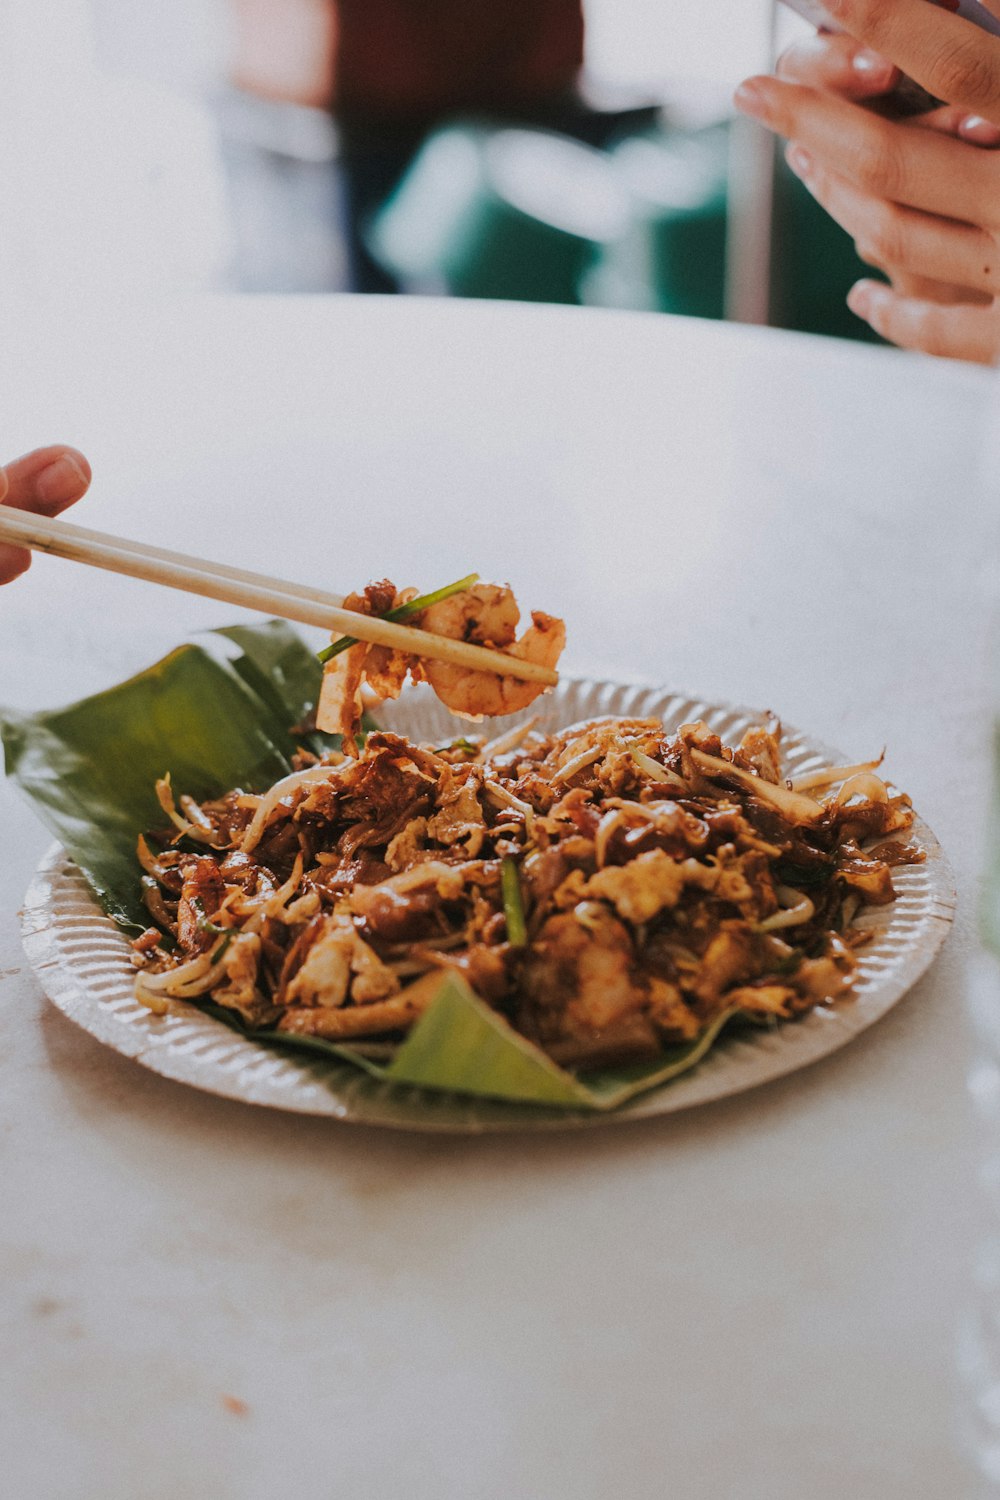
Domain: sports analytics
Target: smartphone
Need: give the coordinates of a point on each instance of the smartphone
(909, 97)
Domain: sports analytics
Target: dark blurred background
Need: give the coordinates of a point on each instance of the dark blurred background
(576, 151)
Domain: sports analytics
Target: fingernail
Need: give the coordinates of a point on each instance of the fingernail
(859, 298)
(60, 481)
(873, 67)
(799, 160)
(982, 132)
(751, 99)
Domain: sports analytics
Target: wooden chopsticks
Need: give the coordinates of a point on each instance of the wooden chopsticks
(275, 596)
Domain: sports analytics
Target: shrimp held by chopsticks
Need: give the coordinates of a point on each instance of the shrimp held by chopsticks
(484, 614)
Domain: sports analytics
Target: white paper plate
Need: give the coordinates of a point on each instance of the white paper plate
(81, 960)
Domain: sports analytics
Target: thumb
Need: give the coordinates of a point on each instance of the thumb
(4, 484)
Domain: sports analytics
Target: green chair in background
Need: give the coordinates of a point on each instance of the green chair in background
(500, 212)
(496, 211)
(672, 255)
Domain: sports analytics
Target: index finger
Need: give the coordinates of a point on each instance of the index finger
(954, 59)
(902, 163)
(839, 64)
(45, 481)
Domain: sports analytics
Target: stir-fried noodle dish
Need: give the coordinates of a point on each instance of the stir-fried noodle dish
(611, 889)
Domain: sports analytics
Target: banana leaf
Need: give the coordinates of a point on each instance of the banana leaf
(214, 714)
(219, 713)
(461, 1043)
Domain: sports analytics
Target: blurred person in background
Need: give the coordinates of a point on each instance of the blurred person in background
(920, 196)
(389, 71)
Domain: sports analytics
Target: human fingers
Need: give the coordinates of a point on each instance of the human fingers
(958, 332)
(885, 158)
(886, 233)
(952, 58)
(928, 290)
(839, 65)
(46, 482)
(958, 122)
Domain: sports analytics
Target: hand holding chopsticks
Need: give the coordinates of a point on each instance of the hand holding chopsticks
(45, 481)
(291, 601)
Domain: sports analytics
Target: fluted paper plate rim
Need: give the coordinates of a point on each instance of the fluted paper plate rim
(81, 960)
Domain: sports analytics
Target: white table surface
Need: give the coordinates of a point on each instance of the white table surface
(756, 1300)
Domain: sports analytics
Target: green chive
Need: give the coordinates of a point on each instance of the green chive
(221, 949)
(513, 902)
(204, 924)
(402, 612)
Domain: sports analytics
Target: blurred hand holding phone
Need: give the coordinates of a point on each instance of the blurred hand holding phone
(921, 204)
(909, 97)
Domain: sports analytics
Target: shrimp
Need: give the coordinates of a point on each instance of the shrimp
(487, 615)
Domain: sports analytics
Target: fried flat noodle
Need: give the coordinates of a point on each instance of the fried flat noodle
(659, 881)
